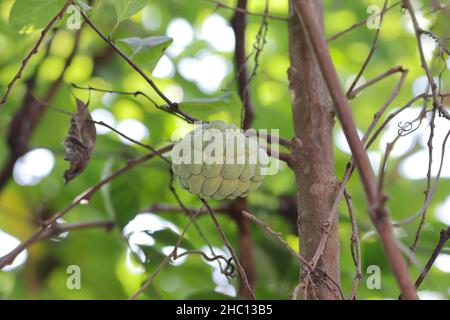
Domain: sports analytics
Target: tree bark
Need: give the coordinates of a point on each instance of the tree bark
(312, 158)
(245, 245)
(238, 23)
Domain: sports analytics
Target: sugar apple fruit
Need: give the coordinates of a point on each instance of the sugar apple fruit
(218, 161)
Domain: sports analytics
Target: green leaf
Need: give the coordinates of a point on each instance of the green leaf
(120, 196)
(226, 107)
(128, 8)
(124, 199)
(146, 52)
(29, 15)
(152, 255)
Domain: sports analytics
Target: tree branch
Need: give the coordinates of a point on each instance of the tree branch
(172, 255)
(371, 52)
(172, 106)
(239, 266)
(53, 231)
(82, 198)
(312, 159)
(355, 246)
(279, 237)
(374, 80)
(302, 260)
(247, 270)
(444, 236)
(238, 23)
(162, 207)
(27, 118)
(245, 11)
(33, 51)
(418, 32)
(359, 24)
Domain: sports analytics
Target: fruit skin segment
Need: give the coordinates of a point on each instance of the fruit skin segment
(222, 169)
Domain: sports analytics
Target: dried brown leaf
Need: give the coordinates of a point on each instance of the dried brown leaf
(79, 142)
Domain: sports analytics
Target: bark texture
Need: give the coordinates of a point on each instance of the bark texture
(245, 245)
(239, 24)
(313, 159)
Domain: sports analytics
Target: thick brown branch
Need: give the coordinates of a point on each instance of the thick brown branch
(238, 24)
(248, 274)
(312, 160)
(245, 246)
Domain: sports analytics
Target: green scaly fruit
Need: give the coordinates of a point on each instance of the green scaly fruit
(217, 161)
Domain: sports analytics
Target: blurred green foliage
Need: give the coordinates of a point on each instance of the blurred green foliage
(108, 270)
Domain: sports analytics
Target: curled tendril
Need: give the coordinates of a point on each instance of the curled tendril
(228, 271)
(404, 128)
(407, 128)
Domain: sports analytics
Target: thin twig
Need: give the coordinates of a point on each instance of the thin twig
(359, 24)
(430, 192)
(103, 124)
(82, 198)
(144, 145)
(166, 260)
(52, 231)
(173, 107)
(271, 138)
(355, 245)
(229, 269)
(444, 236)
(302, 260)
(351, 165)
(27, 117)
(372, 81)
(438, 40)
(126, 93)
(371, 52)
(418, 32)
(237, 9)
(279, 237)
(162, 207)
(34, 51)
(189, 214)
(429, 178)
(231, 250)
